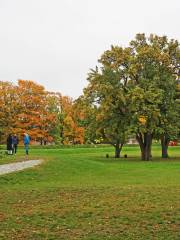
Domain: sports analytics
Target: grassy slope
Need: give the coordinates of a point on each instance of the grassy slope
(79, 194)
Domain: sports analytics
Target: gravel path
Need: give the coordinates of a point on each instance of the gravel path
(13, 167)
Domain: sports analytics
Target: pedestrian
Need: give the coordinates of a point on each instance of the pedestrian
(15, 142)
(26, 143)
(9, 145)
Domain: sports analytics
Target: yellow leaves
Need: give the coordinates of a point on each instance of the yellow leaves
(72, 113)
(100, 117)
(178, 87)
(142, 119)
(29, 85)
(68, 121)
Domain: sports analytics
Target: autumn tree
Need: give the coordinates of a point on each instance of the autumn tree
(34, 117)
(46, 116)
(107, 93)
(169, 72)
(136, 84)
(155, 63)
(78, 116)
(55, 110)
(87, 119)
(72, 132)
(9, 108)
(67, 128)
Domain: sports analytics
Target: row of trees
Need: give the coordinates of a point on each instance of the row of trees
(136, 90)
(46, 116)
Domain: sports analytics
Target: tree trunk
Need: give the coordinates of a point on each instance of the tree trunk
(117, 152)
(145, 143)
(118, 148)
(164, 145)
(62, 136)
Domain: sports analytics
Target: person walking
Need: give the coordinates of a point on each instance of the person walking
(26, 143)
(9, 145)
(15, 142)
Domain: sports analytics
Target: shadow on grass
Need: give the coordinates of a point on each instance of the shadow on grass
(135, 159)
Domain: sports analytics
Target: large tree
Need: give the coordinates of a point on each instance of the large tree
(169, 70)
(154, 65)
(107, 93)
(137, 83)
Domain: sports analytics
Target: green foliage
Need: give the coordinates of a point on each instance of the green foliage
(134, 91)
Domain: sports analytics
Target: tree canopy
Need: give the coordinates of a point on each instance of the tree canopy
(134, 90)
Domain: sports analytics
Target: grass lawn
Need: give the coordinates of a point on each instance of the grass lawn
(77, 193)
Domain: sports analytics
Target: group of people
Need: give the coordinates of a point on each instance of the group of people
(13, 141)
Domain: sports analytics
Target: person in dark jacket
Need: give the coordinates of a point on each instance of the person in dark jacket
(15, 142)
(9, 144)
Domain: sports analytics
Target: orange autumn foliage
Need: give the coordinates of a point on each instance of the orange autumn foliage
(73, 133)
(34, 116)
(28, 107)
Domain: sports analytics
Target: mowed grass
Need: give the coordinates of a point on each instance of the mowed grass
(78, 193)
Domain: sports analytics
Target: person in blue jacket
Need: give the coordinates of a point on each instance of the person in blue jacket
(26, 142)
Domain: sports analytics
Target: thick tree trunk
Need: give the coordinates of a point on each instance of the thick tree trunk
(145, 143)
(118, 148)
(164, 145)
(117, 152)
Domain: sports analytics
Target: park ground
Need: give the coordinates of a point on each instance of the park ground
(78, 193)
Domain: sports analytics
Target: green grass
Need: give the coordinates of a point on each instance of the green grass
(77, 193)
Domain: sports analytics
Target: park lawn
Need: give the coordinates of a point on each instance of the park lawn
(77, 193)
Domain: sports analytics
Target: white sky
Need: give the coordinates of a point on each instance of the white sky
(56, 42)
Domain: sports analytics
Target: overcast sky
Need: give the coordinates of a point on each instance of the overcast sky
(56, 42)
